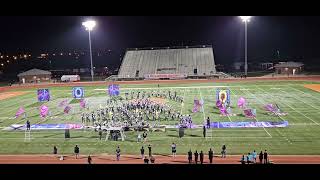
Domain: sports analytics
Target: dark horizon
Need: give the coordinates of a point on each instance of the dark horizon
(295, 37)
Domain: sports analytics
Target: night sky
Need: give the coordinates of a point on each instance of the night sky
(292, 36)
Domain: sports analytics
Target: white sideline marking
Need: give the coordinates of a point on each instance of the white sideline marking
(182, 104)
(309, 95)
(223, 137)
(304, 102)
(299, 112)
(203, 111)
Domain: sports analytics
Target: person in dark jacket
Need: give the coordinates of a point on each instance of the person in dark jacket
(55, 150)
(204, 131)
(224, 151)
(208, 122)
(196, 157)
(261, 157)
(265, 157)
(142, 152)
(146, 160)
(89, 159)
(201, 157)
(243, 160)
(190, 156)
(77, 151)
(210, 155)
(150, 153)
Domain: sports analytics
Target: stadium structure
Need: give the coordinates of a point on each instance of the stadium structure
(168, 63)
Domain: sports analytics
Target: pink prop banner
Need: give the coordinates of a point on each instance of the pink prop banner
(241, 102)
(20, 112)
(82, 103)
(44, 110)
(67, 109)
(63, 103)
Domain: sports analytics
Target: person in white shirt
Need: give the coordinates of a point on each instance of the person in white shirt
(139, 137)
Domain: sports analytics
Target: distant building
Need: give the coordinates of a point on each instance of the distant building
(266, 65)
(34, 76)
(238, 66)
(289, 68)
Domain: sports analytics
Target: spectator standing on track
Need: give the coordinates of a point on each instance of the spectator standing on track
(243, 160)
(248, 158)
(224, 151)
(55, 150)
(201, 157)
(174, 149)
(204, 131)
(142, 152)
(261, 157)
(118, 153)
(77, 151)
(152, 160)
(146, 160)
(265, 157)
(210, 155)
(89, 159)
(254, 155)
(190, 156)
(196, 157)
(150, 153)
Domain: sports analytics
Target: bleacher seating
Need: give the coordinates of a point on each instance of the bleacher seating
(190, 61)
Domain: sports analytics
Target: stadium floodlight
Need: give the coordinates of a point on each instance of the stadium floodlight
(89, 25)
(245, 19)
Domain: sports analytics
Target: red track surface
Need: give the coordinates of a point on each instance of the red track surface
(160, 159)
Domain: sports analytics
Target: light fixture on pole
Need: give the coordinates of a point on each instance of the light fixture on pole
(89, 25)
(245, 19)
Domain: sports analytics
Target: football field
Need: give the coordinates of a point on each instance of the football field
(301, 137)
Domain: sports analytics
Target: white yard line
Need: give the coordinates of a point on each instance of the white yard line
(182, 104)
(303, 124)
(203, 111)
(256, 118)
(295, 111)
(309, 95)
(223, 137)
(304, 102)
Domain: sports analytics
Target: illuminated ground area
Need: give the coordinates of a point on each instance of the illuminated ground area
(300, 137)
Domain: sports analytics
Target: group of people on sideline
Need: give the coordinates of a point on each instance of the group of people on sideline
(196, 157)
(251, 158)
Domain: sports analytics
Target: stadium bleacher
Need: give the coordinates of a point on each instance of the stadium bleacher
(174, 62)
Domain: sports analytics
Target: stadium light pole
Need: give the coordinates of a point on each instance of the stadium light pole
(245, 19)
(89, 25)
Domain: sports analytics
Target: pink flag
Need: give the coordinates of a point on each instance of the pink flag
(223, 111)
(44, 110)
(219, 104)
(82, 103)
(20, 112)
(63, 103)
(241, 102)
(67, 109)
